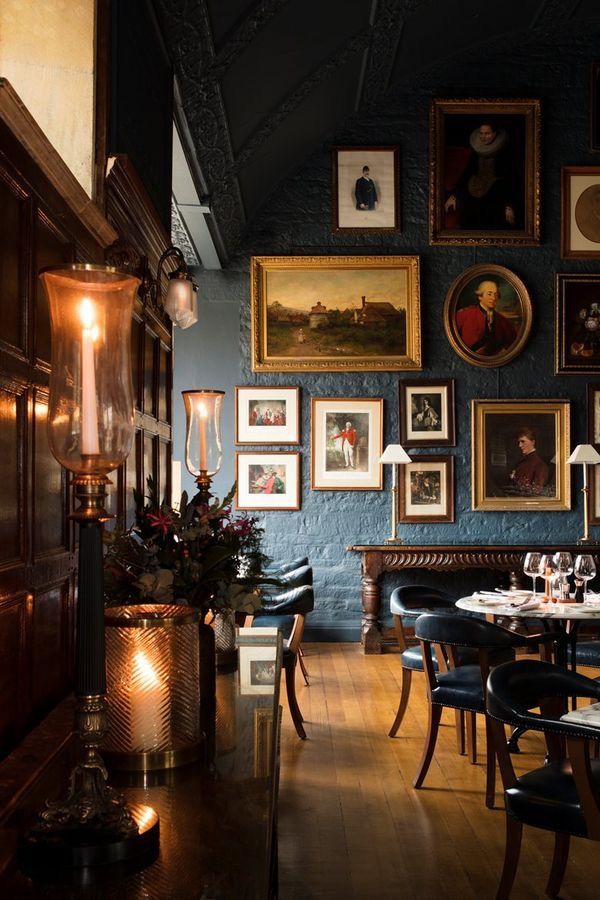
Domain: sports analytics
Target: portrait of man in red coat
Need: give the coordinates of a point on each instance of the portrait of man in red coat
(481, 328)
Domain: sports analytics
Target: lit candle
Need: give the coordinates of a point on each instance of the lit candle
(149, 713)
(203, 416)
(89, 442)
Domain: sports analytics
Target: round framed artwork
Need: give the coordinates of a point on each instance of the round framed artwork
(487, 315)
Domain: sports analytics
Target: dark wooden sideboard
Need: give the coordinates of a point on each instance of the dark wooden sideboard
(380, 558)
(218, 817)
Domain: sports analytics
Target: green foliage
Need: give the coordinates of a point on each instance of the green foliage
(200, 553)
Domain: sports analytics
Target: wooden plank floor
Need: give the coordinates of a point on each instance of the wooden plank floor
(350, 824)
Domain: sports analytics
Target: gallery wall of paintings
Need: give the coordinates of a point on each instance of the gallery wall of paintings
(479, 349)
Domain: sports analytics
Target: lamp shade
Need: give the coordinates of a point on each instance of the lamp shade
(394, 453)
(181, 302)
(203, 450)
(584, 453)
(90, 415)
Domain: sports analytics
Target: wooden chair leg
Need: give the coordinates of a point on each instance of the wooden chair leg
(404, 695)
(303, 668)
(559, 863)
(435, 714)
(472, 737)
(290, 685)
(490, 756)
(459, 717)
(514, 832)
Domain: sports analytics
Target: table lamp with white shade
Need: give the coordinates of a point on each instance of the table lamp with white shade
(394, 454)
(585, 455)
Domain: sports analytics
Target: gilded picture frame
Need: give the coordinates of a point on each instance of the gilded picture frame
(519, 451)
(426, 412)
(577, 324)
(484, 184)
(488, 326)
(365, 189)
(346, 443)
(427, 489)
(335, 313)
(267, 415)
(580, 212)
(593, 436)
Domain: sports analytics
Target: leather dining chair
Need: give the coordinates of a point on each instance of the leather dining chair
(463, 686)
(290, 578)
(563, 795)
(287, 612)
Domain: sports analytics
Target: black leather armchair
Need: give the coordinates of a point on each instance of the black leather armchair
(463, 686)
(562, 796)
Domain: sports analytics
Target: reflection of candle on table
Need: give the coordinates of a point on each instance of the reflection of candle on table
(202, 411)
(149, 716)
(89, 443)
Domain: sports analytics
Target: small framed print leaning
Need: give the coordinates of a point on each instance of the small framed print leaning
(580, 215)
(484, 171)
(268, 480)
(577, 331)
(427, 490)
(519, 455)
(346, 443)
(267, 415)
(427, 412)
(365, 189)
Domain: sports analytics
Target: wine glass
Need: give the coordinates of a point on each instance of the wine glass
(531, 567)
(585, 569)
(564, 567)
(547, 570)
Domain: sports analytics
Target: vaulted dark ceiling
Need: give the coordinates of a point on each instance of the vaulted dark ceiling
(263, 82)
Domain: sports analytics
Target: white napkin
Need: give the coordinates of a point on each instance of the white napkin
(489, 599)
(528, 604)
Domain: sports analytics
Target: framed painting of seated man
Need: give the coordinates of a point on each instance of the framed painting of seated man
(484, 172)
(519, 455)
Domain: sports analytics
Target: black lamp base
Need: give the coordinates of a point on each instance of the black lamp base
(80, 854)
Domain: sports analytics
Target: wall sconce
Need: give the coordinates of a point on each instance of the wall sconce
(394, 454)
(203, 449)
(181, 300)
(585, 455)
(153, 677)
(90, 432)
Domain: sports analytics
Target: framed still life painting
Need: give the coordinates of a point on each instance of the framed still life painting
(577, 324)
(267, 415)
(427, 416)
(335, 313)
(484, 171)
(427, 490)
(346, 443)
(519, 455)
(268, 480)
(365, 189)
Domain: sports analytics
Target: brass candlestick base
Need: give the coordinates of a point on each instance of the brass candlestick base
(204, 482)
(93, 825)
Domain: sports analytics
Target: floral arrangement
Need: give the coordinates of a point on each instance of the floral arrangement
(199, 554)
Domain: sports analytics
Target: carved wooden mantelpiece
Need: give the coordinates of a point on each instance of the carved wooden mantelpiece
(380, 558)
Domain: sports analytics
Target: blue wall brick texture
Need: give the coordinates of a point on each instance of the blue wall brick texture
(552, 66)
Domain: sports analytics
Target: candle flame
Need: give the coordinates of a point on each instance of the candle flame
(143, 670)
(202, 410)
(143, 817)
(87, 314)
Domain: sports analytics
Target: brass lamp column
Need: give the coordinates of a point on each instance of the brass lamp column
(585, 455)
(394, 454)
(90, 431)
(203, 448)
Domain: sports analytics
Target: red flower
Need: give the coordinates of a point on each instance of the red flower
(161, 521)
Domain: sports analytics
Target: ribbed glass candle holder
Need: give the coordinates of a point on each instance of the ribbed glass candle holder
(153, 686)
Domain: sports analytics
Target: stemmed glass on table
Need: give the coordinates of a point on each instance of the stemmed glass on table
(531, 567)
(585, 570)
(547, 570)
(564, 567)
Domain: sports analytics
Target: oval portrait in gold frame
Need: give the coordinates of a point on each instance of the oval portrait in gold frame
(487, 315)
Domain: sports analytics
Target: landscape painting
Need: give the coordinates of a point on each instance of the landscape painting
(335, 313)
